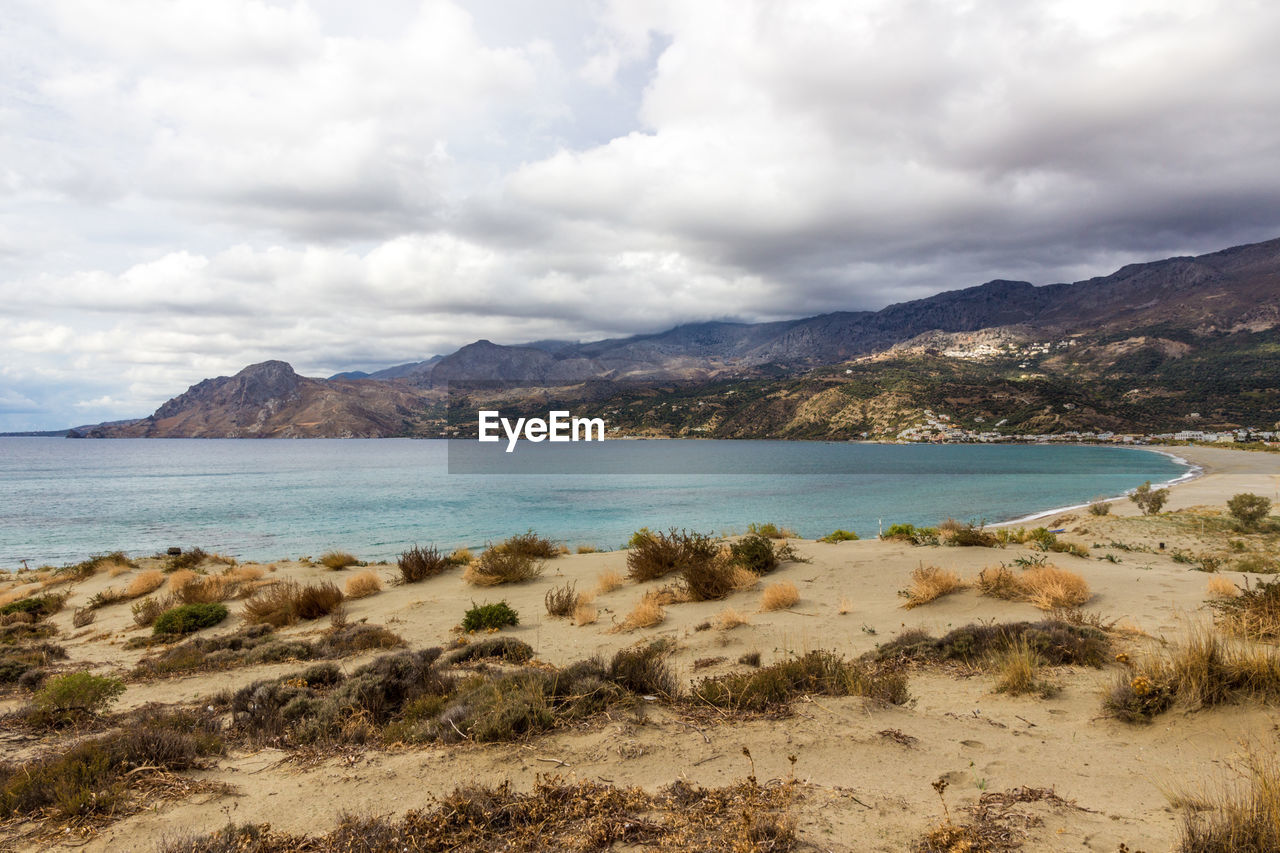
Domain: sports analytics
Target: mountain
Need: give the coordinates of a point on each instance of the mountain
(1147, 345)
(270, 400)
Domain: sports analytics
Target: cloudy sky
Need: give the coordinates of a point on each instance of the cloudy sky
(189, 186)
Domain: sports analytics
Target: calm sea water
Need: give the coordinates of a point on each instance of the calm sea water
(62, 500)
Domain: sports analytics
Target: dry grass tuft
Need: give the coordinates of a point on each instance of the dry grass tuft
(288, 602)
(115, 569)
(1017, 669)
(728, 619)
(499, 565)
(999, 582)
(363, 585)
(145, 583)
(587, 549)
(929, 583)
(585, 614)
(1253, 613)
(180, 578)
(845, 607)
(1243, 817)
(779, 596)
(1220, 587)
(1051, 588)
(646, 614)
(608, 581)
(338, 560)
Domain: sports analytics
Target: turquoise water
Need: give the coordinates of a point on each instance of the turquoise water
(62, 500)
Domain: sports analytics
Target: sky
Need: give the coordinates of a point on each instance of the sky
(188, 187)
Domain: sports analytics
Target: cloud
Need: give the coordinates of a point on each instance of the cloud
(189, 187)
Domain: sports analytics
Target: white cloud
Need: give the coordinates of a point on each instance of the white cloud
(189, 187)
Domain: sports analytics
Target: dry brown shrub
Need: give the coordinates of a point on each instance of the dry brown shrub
(288, 602)
(999, 582)
(779, 596)
(609, 581)
(728, 619)
(115, 568)
(585, 614)
(587, 549)
(562, 601)
(1049, 588)
(241, 574)
(364, 584)
(180, 578)
(929, 583)
(145, 583)
(646, 614)
(500, 565)
(1220, 587)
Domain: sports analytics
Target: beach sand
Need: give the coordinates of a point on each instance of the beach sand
(861, 789)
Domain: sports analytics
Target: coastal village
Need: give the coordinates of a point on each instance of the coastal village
(939, 428)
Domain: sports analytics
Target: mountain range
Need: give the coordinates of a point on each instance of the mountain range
(1140, 348)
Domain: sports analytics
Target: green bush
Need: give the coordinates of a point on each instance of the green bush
(482, 617)
(840, 536)
(911, 533)
(77, 692)
(656, 555)
(189, 617)
(771, 531)
(1249, 509)
(1149, 500)
(38, 606)
(754, 552)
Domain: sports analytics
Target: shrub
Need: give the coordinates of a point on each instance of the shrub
(1254, 613)
(483, 617)
(816, 672)
(530, 544)
(840, 536)
(1204, 671)
(755, 554)
(187, 618)
(146, 612)
(728, 619)
(644, 670)
(460, 557)
(647, 613)
(911, 533)
(929, 583)
(1249, 509)
(288, 602)
(1243, 819)
(656, 555)
(608, 582)
(970, 535)
(585, 614)
(185, 560)
(338, 560)
(509, 649)
(1057, 642)
(771, 531)
(1017, 669)
(1100, 508)
(145, 583)
(82, 617)
(179, 579)
(710, 577)
(999, 582)
(37, 607)
(1052, 588)
(418, 564)
(561, 601)
(498, 566)
(1149, 500)
(77, 693)
(1222, 588)
(586, 549)
(17, 662)
(779, 596)
(362, 585)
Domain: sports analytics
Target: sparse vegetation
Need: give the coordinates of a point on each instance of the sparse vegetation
(1100, 508)
(1057, 642)
(1253, 612)
(608, 581)
(1205, 671)
(417, 564)
(1249, 509)
(968, 535)
(819, 672)
(256, 644)
(500, 565)
(562, 601)
(771, 531)
(363, 584)
(655, 555)
(1047, 587)
(1222, 588)
(338, 560)
(911, 533)
(288, 602)
(530, 545)
(929, 583)
(643, 670)
(757, 554)
(34, 607)
(187, 618)
(1149, 500)
(145, 583)
(1017, 669)
(728, 619)
(489, 617)
(185, 560)
(647, 613)
(509, 649)
(839, 535)
(779, 596)
(74, 695)
(1242, 818)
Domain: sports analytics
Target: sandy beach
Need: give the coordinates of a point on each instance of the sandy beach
(864, 771)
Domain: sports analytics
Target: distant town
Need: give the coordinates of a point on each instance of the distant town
(939, 428)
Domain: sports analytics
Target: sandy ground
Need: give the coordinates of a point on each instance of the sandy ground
(863, 791)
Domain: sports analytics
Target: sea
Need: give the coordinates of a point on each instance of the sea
(63, 500)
